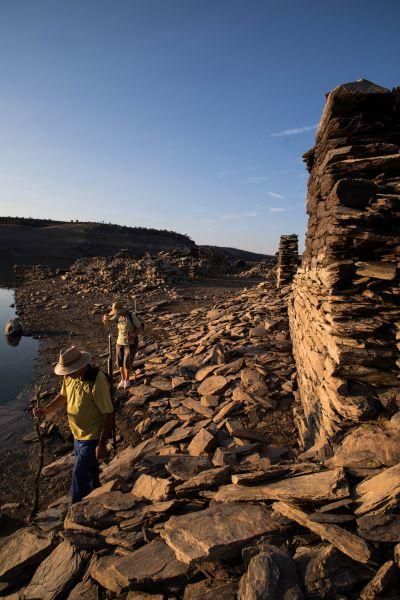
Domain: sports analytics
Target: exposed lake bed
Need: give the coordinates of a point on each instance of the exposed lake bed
(51, 307)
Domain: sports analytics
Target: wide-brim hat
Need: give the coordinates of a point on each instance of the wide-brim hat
(71, 360)
(117, 308)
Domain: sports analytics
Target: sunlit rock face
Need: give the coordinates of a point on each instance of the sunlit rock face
(344, 308)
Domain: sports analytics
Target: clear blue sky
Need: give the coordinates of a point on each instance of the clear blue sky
(162, 113)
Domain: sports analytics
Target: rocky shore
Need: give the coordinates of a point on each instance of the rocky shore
(206, 494)
(64, 308)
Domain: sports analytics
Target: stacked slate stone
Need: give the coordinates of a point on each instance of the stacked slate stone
(287, 260)
(344, 310)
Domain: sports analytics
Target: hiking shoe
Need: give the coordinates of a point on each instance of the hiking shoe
(121, 384)
(127, 384)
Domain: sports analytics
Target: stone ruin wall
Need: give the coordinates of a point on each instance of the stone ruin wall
(288, 258)
(344, 308)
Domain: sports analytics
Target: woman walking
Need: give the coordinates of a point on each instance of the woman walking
(129, 327)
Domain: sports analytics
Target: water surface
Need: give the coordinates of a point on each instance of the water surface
(16, 362)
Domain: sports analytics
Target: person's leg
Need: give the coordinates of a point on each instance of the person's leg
(127, 365)
(94, 465)
(119, 355)
(74, 483)
(84, 478)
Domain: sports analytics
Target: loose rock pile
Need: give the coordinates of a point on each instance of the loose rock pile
(258, 270)
(212, 501)
(215, 403)
(125, 274)
(344, 311)
(288, 260)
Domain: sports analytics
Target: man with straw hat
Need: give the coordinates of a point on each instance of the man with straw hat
(129, 326)
(86, 393)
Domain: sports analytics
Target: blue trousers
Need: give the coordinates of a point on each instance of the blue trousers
(85, 475)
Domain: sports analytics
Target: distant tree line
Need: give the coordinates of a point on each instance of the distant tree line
(106, 227)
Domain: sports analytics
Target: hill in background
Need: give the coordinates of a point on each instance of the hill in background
(33, 241)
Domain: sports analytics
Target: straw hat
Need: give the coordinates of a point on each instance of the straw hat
(117, 309)
(71, 360)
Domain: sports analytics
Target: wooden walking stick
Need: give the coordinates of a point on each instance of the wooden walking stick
(36, 486)
(111, 380)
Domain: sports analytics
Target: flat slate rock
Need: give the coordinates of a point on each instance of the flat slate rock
(167, 427)
(198, 407)
(57, 574)
(154, 563)
(211, 589)
(325, 485)
(371, 447)
(179, 435)
(329, 517)
(202, 443)
(116, 500)
(213, 386)
(140, 394)
(25, 548)
(259, 476)
(151, 488)
(123, 465)
(379, 493)
(205, 372)
(346, 542)
(126, 539)
(219, 531)
(205, 480)
(61, 465)
(186, 467)
(103, 572)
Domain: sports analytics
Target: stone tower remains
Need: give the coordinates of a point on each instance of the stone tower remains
(345, 306)
(288, 258)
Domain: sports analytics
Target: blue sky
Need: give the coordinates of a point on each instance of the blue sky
(189, 115)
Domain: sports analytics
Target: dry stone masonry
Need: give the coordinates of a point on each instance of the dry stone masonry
(287, 260)
(344, 310)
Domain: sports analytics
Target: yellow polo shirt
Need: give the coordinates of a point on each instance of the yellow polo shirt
(87, 403)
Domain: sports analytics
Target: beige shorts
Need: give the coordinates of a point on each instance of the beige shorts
(125, 355)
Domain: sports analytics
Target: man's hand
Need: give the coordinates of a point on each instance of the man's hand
(101, 451)
(105, 319)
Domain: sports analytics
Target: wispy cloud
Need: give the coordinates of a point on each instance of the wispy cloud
(237, 216)
(256, 179)
(223, 174)
(277, 210)
(275, 195)
(294, 131)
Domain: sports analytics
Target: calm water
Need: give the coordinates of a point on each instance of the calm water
(16, 363)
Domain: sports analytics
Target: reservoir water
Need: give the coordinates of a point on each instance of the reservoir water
(16, 362)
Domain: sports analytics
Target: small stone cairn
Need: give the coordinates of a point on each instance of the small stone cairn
(287, 260)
